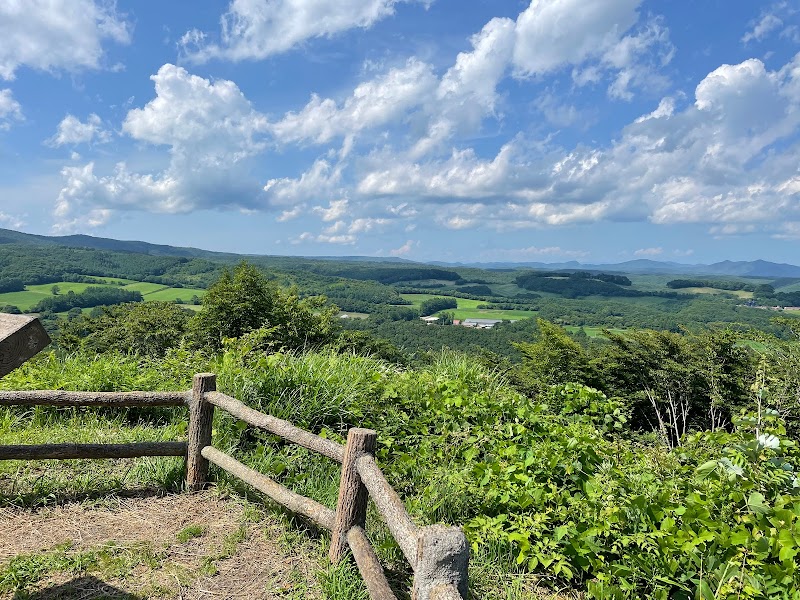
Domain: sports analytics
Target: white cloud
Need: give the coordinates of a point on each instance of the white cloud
(10, 109)
(728, 158)
(335, 211)
(210, 129)
(10, 221)
(530, 252)
(256, 29)
(463, 175)
(552, 34)
(372, 104)
(211, 121)
(293, 213)
(766, 25)
(72, 131)
(57, 34)
(648, 252)
(324, 238)
(404, 249)
(468, 90)
(320, 181)
(665, 109)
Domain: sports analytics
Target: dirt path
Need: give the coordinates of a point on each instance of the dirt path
(186, 546)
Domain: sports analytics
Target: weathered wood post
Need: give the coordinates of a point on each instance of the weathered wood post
(201, 416)
(21, 337)
(351, 508)
(442, 560)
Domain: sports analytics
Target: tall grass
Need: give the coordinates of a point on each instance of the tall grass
(323, 392)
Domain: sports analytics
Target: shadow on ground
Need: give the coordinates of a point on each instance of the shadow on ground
(85, 588)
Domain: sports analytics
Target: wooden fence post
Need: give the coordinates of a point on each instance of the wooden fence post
(201, 416)
(442, 560)
(351, 508)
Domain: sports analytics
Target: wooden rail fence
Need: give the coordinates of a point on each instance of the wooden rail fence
(438, 555)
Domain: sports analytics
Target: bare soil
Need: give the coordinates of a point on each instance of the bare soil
(233, 558)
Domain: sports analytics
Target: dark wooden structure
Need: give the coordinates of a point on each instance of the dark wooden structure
(21, 338)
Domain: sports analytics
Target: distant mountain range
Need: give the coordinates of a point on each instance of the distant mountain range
(751, 268)
(754, 268)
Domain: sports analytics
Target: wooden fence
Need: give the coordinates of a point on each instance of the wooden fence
(437, 554)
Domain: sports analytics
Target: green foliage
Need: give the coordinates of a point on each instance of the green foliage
(554, 358)
(434, 305)
(10, 284)
(90, 297)
(147, 329)
(720, 284)
(244, 302)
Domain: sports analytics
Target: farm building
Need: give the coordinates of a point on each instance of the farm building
(481, 323)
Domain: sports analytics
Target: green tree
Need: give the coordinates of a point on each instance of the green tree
(553, 358)
(55, 289)
(245, 302)
(138, 328)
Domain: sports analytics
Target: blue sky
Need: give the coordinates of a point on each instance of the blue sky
(459, 130)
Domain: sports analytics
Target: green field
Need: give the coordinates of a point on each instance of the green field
(144, 287)
(150, 292)
(22, 300)
(468, 309)
(709, 290)
(169, 294)
(592, 332)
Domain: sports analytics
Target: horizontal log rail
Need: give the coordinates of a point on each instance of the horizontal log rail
(316, 512)
(279, 427)
(110, 399)
(74, 451)
(437, 554)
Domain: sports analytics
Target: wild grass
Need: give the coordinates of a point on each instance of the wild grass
(322, 392)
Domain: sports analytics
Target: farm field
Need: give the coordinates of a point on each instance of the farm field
(468, 309)
(145, 287)
(168, 294)
(150, 292)
(593, 332)
(709, 290)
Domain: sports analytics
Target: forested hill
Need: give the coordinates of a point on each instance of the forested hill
(8, 236)
(754, 268)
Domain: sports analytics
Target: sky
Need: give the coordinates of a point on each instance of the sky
(454, 130)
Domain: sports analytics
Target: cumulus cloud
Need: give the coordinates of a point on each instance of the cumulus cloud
(57, 34)
(10, 109)
(372, 104)
(440, 109)
(324, 238)
(404, 249)
(335, 210)
(649, 251)
(766, 25)
(256, 29)
(72, 131)
(210, 129)
(726, 158)
(8, 220)
(211, 121)
(554, 34)
(320, 180)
